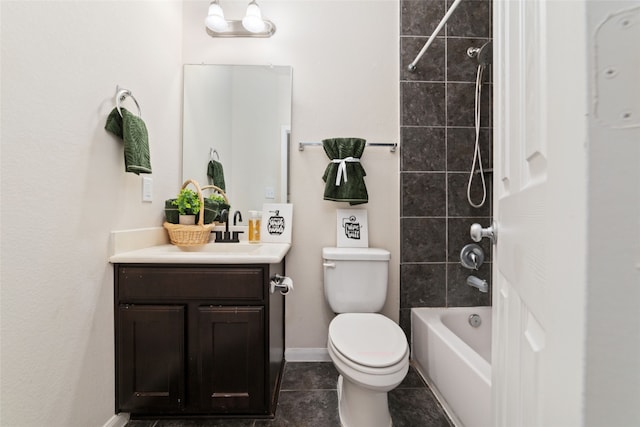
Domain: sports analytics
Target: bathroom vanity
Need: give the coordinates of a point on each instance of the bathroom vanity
(198, 331)
(195, 337)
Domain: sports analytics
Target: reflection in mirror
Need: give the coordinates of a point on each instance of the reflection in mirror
(239, 116)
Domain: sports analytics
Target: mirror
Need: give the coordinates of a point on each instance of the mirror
(239, 116)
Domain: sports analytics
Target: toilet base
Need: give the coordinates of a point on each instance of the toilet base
(361, 407)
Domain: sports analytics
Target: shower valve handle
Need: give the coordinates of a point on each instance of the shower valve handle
(477, 232)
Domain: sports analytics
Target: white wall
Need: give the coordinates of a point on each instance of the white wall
(64, 189)
(345, 63)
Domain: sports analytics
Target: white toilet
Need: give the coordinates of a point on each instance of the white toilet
(369, 350)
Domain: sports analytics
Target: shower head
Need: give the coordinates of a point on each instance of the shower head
(483, 54)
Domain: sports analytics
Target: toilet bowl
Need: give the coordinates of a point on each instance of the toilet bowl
(369, 350)
(371, 354)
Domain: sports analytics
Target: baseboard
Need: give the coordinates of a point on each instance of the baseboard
(306, 355)
(118, 420)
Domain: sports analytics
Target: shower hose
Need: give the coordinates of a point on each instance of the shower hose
(477, 158)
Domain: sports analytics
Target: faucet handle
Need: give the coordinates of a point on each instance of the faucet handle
(471, 256)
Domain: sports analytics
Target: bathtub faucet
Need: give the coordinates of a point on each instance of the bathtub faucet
(476, 282)
(471, 256)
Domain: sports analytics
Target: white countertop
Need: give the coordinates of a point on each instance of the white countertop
(211, 253)
(151, 245)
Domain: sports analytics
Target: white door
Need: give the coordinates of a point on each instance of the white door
(540, 107)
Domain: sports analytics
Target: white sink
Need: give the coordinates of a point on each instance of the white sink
(211, 253)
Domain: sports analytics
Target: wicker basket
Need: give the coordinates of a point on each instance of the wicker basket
(217, 190)
(190, 235)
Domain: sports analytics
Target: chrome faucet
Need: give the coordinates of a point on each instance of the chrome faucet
(471, 256)
(476, 282)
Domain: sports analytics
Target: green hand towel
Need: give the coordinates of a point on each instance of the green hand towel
(344, 176)
(132, 130)
(216, 174)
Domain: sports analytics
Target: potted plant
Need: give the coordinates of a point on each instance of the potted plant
(188, 205)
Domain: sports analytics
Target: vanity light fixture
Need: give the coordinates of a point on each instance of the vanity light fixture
(215, 19)
(252, 20)
(252, 25)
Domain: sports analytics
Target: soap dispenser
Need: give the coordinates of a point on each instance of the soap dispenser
(254, 226)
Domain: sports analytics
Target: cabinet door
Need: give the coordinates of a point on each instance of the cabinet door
(231, 359)
(150, 365)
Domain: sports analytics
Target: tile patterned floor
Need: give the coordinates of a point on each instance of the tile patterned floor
(308, 398)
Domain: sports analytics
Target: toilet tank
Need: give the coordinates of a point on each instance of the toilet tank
(355, 279)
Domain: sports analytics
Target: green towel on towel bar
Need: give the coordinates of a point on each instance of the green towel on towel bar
(344, 176)
(215, 173)
(132, 130)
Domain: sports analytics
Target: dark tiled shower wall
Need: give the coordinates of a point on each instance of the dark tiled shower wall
(438, 140)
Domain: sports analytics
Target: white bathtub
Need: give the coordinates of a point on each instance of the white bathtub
(455, 360)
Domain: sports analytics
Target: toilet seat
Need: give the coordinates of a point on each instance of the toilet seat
(369, 340)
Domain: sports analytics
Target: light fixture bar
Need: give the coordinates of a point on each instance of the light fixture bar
(252, 25)
(236, 29)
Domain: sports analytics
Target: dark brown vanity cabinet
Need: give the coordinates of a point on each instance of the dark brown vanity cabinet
(197, 339)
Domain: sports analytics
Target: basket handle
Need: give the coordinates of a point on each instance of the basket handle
(195, 184)
(219, 190)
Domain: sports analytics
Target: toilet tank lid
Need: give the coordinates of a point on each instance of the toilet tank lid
(356, 254)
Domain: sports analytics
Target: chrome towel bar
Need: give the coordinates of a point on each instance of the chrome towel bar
(392, 145)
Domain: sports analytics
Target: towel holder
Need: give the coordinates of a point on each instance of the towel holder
(121, 94)
(392, 145)
(212, 152)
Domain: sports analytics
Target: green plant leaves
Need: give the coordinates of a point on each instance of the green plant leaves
(187, 202)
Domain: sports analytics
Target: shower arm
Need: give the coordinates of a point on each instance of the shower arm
(412, 67)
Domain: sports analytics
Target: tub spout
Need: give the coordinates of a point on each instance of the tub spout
(476, 282)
